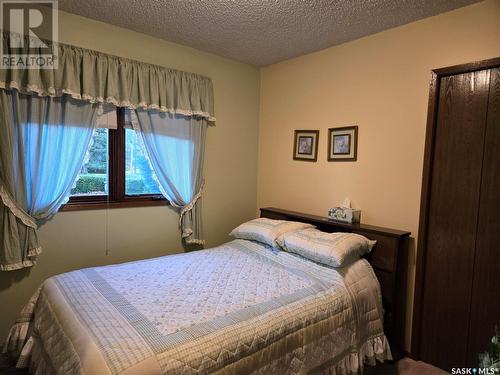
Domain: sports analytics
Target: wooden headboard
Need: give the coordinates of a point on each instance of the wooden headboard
(389, 260)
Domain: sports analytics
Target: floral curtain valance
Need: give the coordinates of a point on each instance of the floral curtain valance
(97, 77)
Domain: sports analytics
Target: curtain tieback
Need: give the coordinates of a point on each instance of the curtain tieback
(188, 207)
(7, 200)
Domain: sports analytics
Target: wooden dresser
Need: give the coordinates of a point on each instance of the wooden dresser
(389, 259)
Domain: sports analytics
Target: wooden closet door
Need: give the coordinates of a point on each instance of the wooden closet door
(485, 307)
(452, 218)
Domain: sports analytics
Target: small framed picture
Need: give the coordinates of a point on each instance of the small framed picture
(343, 143)
(306, 145)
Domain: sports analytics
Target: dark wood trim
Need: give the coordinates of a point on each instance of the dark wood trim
(355, 143)
(297, 133)
(116, 197)
(117, 158)
(424, 209)
(103, 205)
(389, 260)
(88, 199)
(432, 112)
(321, 220)
(468, 67)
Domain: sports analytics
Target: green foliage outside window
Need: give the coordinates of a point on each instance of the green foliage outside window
(90, 183)
(94, 173)
(93, 178)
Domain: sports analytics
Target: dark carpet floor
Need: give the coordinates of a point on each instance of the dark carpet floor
(405, 366)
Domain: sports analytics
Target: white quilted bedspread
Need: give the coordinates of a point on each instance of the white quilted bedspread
(242, 307)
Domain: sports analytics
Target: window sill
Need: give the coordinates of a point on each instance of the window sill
(79, 205)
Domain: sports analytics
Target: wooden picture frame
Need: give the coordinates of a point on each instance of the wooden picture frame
(305, 145)
(343, 143)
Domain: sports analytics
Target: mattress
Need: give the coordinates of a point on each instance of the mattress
(239, 308)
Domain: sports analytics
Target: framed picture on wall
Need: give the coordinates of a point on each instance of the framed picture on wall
(306, 145)
(343, 143)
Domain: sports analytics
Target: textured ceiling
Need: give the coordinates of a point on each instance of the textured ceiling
(259, 32)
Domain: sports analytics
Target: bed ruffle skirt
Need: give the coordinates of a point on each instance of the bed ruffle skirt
(16, 339)
(35, 359)
(373, 350)
(19, 332)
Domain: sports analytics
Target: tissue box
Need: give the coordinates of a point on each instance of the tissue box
(346, 215)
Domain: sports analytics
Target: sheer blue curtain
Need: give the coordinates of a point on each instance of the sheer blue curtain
(43, 142)
(175, 145)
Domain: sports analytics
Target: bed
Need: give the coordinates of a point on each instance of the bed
(242, 307)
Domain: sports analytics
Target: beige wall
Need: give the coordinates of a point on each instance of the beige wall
(78, 239)
(379, 83)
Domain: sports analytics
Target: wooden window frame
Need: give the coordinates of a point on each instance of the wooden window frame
(116, 197)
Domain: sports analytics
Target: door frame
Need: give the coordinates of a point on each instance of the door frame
(432, 111)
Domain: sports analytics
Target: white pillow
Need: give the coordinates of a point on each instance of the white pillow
(266, 230)
(332, 249)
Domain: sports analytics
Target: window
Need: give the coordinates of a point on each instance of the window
(116, 172)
